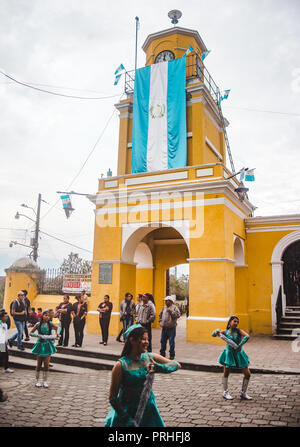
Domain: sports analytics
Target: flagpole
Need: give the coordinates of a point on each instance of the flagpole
(136, 39)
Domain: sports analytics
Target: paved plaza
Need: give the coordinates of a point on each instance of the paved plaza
(79, 396)
(184, 398)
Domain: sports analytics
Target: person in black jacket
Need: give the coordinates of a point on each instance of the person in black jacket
(27, 307)
(79, 313)
(18, 312)
(104, 310)
(64, 316)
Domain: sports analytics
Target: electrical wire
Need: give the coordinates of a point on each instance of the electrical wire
(65, 242)
(263, 111)
(84, 163)
(54, 93)
(57, 86)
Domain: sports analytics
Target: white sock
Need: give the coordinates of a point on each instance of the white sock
(225, 383)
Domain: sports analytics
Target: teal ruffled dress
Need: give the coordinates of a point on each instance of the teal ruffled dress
(44, 348)
(134, 373)
(231, 358)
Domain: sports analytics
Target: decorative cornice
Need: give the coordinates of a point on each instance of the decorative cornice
(274, 228)
(124, 106)
(211, 260)
(113, 261)
(265, 220)
(174, 30)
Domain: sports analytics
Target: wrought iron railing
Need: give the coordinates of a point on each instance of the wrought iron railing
(278, 309)
(194, 69)
(54, 281)
(51, 282)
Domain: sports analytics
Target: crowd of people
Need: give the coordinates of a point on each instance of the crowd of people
(131, 397)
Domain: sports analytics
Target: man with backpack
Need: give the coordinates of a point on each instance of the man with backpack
(27, 307)
(19, 314)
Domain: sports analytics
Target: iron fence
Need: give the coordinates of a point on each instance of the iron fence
(194, 69)
(50, 282)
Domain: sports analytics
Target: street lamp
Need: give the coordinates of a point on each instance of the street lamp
(35, 243)
(26, 206)
(17, 216)
(242, 192)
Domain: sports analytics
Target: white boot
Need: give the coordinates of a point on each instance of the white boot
(37, 376)
(45, 377)
(226, 394)
(245, 384)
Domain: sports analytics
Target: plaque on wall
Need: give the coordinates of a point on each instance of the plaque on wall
(105, 273)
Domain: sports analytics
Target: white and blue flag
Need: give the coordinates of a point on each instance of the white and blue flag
(203, 55)
(249, 177)
(117, 78)
(159, 117)
(226, 94)
(119, 69)
(189, 50)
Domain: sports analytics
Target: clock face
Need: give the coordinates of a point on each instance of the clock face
(164, 56)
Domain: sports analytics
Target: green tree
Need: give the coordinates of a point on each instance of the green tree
(74, 264)
(179, 286)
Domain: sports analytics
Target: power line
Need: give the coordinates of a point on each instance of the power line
(264, 111)
(58, 86)
(65, 242)
(84, 163)
(54, 93)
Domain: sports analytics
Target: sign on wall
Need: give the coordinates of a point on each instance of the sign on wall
(105, 273)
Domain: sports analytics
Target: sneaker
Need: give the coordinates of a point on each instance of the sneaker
(21, 348)
(244, 396)
(38, 384)
(227, 396)
(8, 370)
(46, 385)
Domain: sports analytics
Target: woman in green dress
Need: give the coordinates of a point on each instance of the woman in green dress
(127, 389)
(44, 347)
(234, 356)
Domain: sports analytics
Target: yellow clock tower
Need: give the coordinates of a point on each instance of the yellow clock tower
(148, 222)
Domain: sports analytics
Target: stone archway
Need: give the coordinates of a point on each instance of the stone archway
(277, 272)
(291, 274)
(154, 248)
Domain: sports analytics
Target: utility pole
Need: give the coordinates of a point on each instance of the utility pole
(34, 244)
(37, 229)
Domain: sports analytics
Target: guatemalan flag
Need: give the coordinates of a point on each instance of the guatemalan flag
(159, 117)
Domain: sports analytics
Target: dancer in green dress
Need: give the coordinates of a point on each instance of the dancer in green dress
(234, 356)
(44, 347)
(132, 404)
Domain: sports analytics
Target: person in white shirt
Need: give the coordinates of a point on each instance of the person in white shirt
(3, 341)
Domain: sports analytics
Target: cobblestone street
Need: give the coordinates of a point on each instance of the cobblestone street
(184, 398)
